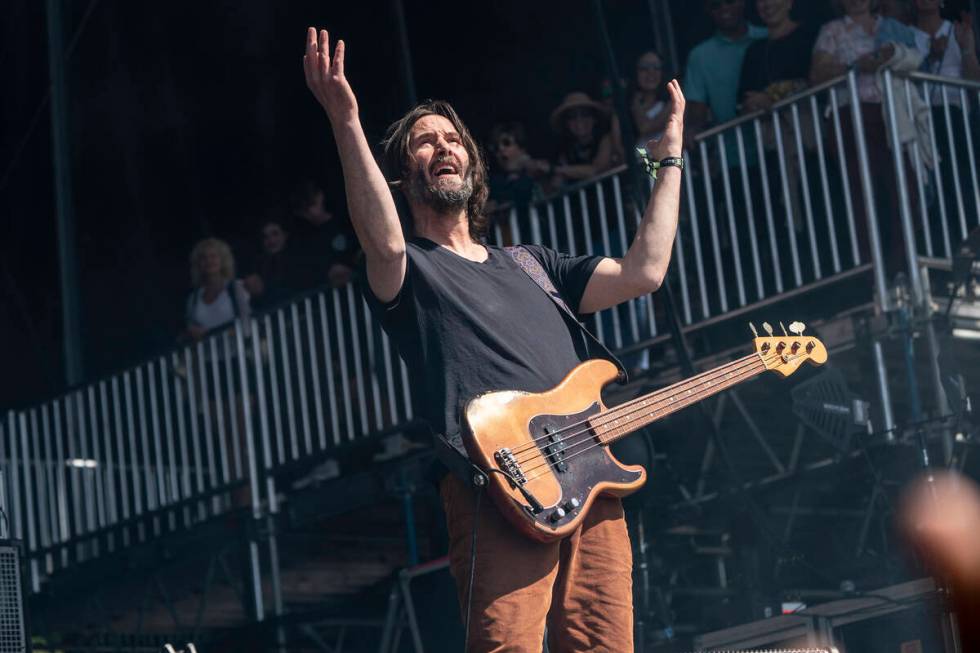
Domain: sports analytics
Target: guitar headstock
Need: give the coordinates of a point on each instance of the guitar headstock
(785, 354)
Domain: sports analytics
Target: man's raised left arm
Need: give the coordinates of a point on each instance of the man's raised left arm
(642, 269)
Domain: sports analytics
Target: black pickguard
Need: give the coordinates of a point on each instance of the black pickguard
(579, 467)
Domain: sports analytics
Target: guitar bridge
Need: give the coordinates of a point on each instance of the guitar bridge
(508, 463)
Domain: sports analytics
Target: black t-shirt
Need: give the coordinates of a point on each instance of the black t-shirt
(465, 328)
(314, 248)
(769, 61)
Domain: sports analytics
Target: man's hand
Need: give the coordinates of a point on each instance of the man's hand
(937, 48)
(196, 332)
(325, 78)
(756, 101)
(339, 275)
(963, 31)
(671, 143)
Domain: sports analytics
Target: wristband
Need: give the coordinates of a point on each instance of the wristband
(651, 167)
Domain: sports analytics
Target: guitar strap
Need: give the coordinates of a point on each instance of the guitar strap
(449, 448)
(533, 268)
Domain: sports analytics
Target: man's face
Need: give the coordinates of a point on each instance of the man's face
(510, 155)
(774, 12)
(580, 122)
(726, 14)
(440, 175)
(210, 262)
(273, 238)
(649, 72)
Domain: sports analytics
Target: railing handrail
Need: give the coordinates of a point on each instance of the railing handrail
(785, 102)
(938, 79)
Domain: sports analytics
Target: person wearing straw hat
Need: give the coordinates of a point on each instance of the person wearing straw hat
(586, 146)
(468, 318)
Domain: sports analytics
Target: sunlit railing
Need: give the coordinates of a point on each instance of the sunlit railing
(934, 137)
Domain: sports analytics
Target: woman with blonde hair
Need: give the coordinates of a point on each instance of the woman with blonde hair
(218, 297)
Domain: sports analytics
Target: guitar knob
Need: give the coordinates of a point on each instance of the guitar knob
(557, 515)
(572, 504)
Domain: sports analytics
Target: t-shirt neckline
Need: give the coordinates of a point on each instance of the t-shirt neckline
(486, 261)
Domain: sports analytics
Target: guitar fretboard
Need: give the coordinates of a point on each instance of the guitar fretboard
(622, 420)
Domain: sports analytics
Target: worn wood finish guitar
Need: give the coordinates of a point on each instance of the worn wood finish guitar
(547, 454)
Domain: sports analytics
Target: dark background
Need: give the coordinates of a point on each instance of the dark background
(190, 119)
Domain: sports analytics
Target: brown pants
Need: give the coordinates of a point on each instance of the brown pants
(581, 585)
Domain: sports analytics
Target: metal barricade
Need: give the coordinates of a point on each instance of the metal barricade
(934, 139)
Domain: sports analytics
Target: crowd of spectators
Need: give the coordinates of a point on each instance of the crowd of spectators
(740, 69)
(300, 247)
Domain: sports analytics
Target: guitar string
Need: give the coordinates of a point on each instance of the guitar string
(589, 433)
(646, 401)
(747, 374)
(531, 445)
(641, 402)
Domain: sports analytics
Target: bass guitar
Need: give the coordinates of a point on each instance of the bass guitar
(546, 455)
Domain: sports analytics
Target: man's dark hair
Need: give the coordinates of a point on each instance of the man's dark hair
(397, 168)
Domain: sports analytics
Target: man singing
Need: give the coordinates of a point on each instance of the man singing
(467, 320)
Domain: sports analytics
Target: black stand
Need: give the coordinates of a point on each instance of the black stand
(478, 480)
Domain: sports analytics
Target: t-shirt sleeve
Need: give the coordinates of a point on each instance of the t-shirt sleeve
(570, 274)
(400, 309)
(695, 83)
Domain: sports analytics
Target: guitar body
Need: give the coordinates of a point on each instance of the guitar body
(544, 443)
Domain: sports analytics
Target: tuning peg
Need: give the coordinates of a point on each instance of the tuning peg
(767, 328)
(797, 328)
(783, 328)
(755, 333)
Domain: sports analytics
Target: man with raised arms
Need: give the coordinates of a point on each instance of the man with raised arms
(467, 319)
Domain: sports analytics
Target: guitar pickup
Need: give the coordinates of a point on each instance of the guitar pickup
(555, 452)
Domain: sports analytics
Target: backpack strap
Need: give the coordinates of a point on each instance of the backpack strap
(533, 268)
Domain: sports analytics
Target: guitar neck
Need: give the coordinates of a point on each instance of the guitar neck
(622, 420)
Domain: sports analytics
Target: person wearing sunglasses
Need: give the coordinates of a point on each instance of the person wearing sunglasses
(714, 65)
(515, 177)
(649, 102)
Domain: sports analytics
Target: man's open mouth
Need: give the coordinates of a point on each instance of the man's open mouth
(444, 168)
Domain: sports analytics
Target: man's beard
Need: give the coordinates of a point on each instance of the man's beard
(441, 200)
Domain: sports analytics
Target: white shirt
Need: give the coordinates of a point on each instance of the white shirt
(220, 311)
(951, 65)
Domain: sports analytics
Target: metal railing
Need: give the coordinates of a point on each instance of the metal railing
(191, 434)
(770, 205)
(772, 202)
(934, 137)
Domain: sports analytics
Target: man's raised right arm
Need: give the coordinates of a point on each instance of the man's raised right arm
(372, 208)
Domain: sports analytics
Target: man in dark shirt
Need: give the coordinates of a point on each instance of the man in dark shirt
(468, 320)
(322, 244)
(779, 65)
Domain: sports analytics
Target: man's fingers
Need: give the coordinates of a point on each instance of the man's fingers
(338, 58)
(324, 52)
(310, 40)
